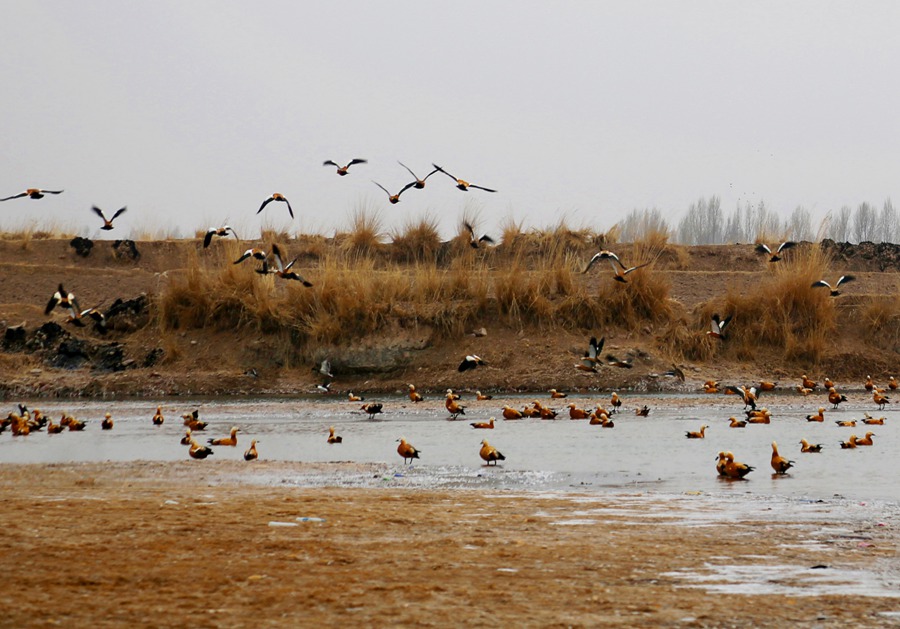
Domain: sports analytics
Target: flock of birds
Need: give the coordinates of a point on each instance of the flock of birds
(25, 421)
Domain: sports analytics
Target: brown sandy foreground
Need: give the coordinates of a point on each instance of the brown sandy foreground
(210, 544)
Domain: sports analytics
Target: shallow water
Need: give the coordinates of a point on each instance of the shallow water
(638, 454)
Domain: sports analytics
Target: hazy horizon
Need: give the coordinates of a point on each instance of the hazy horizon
(192, 114)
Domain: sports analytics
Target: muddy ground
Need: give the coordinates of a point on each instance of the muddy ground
(208, 544)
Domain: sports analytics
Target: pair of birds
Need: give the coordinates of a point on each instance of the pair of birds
(728, 467)
(67, 301)
(488, 453)
(280, 269)
(280, 198)
(591, 357)
(620, 271)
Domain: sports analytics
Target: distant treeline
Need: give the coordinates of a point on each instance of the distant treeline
(706, 223)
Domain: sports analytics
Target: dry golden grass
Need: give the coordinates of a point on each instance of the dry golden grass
(783, 313)
(419, 241)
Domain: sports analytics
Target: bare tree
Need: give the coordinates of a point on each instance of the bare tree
(887, 223)
(799, 226)
(840, 225)
(639, 224)
(864, 223)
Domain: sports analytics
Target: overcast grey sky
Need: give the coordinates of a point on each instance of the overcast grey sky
(192, 113)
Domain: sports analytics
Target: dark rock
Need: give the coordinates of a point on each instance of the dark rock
(46, 336)
(153, 356)
(110, 357)
(82, 246)
(128, 315)
(126, 249)
(71, 354)
(14, 338)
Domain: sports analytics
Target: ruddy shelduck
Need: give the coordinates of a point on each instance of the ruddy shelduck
(588, 362)
(806, 446)
(865, 441)
(32, 193)
(643, 411)
(344, 170)
(486, 425)
(775, 257)
(846, 423)
(700, 434)
(872, 421)
(351, 397)
(577, 413)
(615, 402)
(734, 469)
(849, 444)
(108, 222)
(620, 271)
(511, 413)
(834, 292)
(407, 451)
(470, 362)
(475, 242)
(818, 417)
(107, 422)
(734, 422)
(880, 399)
(196, 451)
(461, 183)
(372, 408)
(414, 396)
(418, 184)
(221, 232)
(393, 199)
(158, 418)
(481, 397)
(490, 453)
(231, 440)
(808, 383)
(251, 454)
(277, 196)
(556, 395)
(835, 398)
(780, 464)
(717, 326)
(333, 438)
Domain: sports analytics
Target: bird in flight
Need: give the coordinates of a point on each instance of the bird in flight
(764, 248)
(461, 183)
(276, 196)
(843, 279)
(717, 326)
(222, 231)
(107, 222)
(283, 270)
(470, 362)
(418, 184)
(342, 170)
(394, 198)
(473, 241)
(34, 193)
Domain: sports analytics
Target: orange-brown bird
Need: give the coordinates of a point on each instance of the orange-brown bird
(490, 453)
(775, 257)
(698, 434)
(806, 446)
(414, 396)
(407, 451)
(343, 170)
(780, 464)
(487, 425)
(277, 196)
(33, 193)
(461, 183)
(107, 222)
(107, 422)
(251, 454)
(158, 418)
(333, 438)
(225, 441)
(394, 198)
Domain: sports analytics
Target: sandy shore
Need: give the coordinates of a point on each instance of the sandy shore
(208, 544)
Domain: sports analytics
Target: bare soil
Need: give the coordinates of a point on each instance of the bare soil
(160, 545)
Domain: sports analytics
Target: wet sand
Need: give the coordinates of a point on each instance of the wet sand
(210, 544)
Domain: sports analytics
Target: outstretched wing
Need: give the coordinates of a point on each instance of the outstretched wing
(597, 256)
(264, 204)
(328, 162)
(118, 212)
(356, 161)
(276, 253)
(98, 212)
(634, 268)
(382, 187)
(763, 248)
(822, 283)
(436, 167)
(472, 185)
(20, 195)
(786, 245)
(409, 169)
(844, 279)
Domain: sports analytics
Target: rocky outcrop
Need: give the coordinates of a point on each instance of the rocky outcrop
(865, 256)
(82, 246)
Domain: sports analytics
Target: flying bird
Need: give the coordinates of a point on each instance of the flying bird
(588, 362)
(394, 198)
(470, 362)
(718, 325)
(222, 231)
(107, 222)
(259, 254)
(63, 299)
(284, 270)
(474, 241)
(342, 170)
(764, 248)
(276, 196)
(418, 184)
(612, 361)
(619, 269)
(843, 279)
(34, 193)
(461, 183)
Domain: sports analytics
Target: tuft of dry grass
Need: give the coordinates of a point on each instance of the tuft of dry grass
(418, 242)
(366, 232)
(782, 313)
